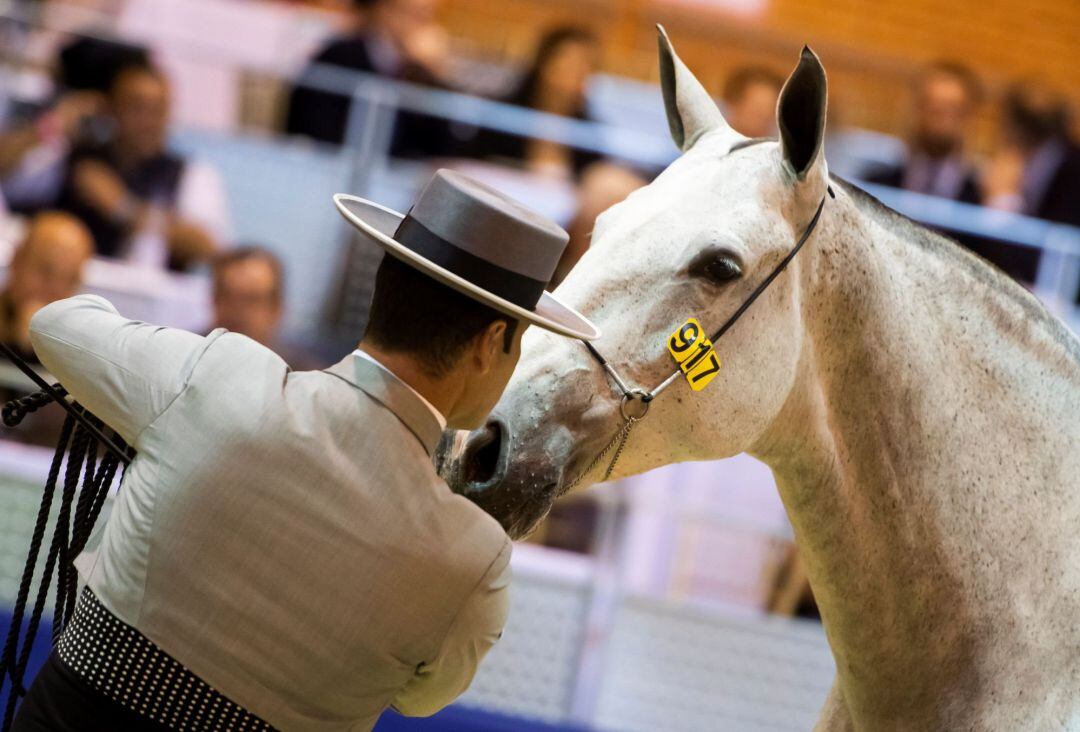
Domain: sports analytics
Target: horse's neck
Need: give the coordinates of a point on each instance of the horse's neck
(927, 458)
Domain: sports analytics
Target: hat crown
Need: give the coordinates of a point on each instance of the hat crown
(489, 225)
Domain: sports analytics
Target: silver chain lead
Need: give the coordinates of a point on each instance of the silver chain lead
(620, 438)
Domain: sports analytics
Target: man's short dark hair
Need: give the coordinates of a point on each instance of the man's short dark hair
(745, 77)
(415, 314)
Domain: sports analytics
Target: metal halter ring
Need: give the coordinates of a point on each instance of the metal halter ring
(640, 396)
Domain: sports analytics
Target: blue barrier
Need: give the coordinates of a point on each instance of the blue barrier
(451, 719)
(465, 719)
(38, 653)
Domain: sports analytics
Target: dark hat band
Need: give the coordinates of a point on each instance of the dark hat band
(523, 291)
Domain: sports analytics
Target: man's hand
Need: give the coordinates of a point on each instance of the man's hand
(102, 189)
(99, 187)
(74, 108)
(60, 123)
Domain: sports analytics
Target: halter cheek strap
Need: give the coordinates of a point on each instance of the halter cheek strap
(635, 402)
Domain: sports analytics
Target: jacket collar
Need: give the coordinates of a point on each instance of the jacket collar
(392, 393)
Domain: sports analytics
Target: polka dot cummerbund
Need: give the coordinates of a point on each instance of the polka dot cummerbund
(123, 664)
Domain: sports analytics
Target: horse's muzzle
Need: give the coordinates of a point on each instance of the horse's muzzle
(480, 472)
(484, 459)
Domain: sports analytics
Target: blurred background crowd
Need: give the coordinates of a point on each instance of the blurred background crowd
(178, 156)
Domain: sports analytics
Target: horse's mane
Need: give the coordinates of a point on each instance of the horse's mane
(955, 253)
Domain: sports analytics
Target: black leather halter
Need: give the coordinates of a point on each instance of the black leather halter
(631, 396)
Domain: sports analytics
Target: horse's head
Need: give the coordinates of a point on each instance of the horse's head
(694, 243)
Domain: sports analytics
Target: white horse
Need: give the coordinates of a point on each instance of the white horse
(920, 412)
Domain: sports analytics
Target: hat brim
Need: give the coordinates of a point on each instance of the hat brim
(379, 223)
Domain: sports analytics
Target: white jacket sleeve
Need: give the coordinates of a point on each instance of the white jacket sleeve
(474, 631)
(124, 371)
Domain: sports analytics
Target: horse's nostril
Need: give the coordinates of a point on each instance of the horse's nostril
(482, 461)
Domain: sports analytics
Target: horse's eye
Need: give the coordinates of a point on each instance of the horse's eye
(717, 266)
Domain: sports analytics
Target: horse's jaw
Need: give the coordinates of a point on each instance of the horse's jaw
(556, 417)
(518, 493)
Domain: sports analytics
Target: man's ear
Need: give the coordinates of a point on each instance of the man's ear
(800, 114)
(488, 344)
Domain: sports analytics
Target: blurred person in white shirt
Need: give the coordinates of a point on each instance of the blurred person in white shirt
(141, 202)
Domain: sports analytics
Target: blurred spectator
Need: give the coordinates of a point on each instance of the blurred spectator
(92, 63)
(140, 201)
(46, 266)
(602, 185)
(398, 39)
(750, 95)
(249, 298)
(555, 82)
(946, 98)
(1037, 169)
(30, 153)
(38, 36)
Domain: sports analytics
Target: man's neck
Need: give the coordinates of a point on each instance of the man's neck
(442, 393)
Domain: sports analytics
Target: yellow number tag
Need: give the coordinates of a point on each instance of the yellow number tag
(693, 352)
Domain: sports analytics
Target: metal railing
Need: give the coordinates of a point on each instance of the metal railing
(375, 102)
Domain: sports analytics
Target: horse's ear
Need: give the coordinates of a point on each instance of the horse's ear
(800, 113)
(691, 112)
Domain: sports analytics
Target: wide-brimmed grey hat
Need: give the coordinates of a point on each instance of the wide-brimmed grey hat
(479, 242)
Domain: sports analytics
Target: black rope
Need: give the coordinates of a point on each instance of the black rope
(74, 410)
(87, 480)
(764, 285)
(8, 664)
(61, 533)
(16, 409)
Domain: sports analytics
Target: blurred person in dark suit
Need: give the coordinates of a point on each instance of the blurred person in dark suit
(602, 185)
(750, 95)
(249, 298)
(398, 39)
(46, 266)
(946, 98)
(556, 82)
(1036, 171)
(140, 201)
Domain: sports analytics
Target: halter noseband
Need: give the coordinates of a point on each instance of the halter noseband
(642, 398)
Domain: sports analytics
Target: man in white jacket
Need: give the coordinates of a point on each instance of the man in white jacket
(282, 554)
